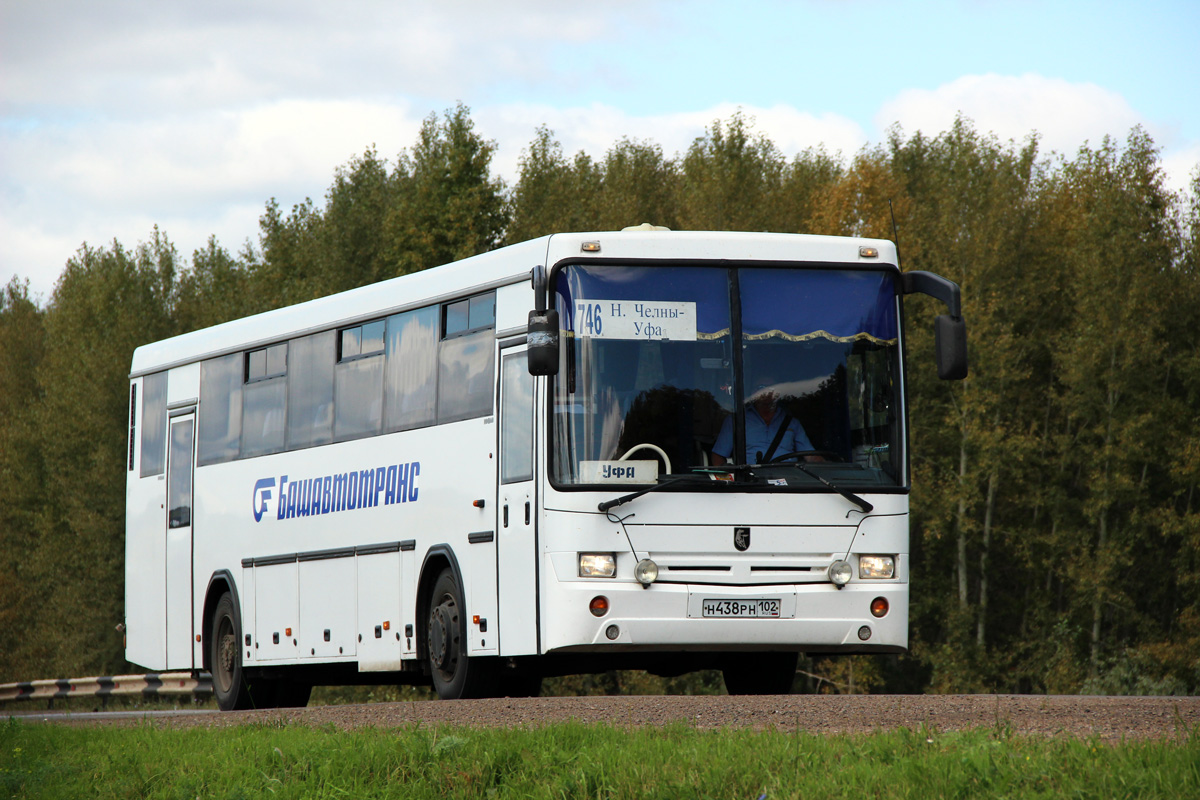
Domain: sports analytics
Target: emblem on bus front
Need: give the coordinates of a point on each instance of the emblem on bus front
(741, 538)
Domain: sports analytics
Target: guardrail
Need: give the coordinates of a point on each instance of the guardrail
(152, 685)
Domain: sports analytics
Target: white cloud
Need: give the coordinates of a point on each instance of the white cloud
(1179, 164)
(193, 175)
(1065, 115)
(119, 115)
(124, 58)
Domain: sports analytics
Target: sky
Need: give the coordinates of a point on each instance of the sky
(118, 116)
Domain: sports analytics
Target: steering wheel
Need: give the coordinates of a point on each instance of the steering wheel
(648, 446)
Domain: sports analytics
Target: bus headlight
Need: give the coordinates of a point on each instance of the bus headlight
(840, 572)
(876, 567)
(597, 565)
(646, 572)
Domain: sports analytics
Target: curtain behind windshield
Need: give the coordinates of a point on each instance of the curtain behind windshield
(839, 305)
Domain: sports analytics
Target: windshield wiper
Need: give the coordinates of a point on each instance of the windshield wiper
(607, 504)
(798, 457)
(851, 496)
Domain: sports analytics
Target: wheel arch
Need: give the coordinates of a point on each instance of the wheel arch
(437, 558)
(219, 583)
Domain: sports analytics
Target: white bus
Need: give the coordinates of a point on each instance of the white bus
(642, 449)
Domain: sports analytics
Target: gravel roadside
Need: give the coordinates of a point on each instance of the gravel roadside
(1112, 718)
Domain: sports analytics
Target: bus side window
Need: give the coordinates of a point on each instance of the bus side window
(220, 416)
(466, 359)
(154, 424)
(410, 385)
(358, 382)
(310, 389)
(264, 400)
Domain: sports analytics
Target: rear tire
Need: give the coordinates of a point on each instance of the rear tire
(454, 674)
(233, 690)
(760, 673)
(225, 634)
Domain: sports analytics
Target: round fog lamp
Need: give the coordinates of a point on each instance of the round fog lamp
(864, 633)
(646, 572)
(840, 572)
(612, 632)
(879, 607)
(598, 606)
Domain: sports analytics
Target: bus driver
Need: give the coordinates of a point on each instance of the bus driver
(769, 432)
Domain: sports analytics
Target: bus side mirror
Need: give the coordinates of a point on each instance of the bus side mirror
(950, 342)
(542, 341)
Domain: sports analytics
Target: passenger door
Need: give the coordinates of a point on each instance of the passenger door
(179, 541)
(516, 506)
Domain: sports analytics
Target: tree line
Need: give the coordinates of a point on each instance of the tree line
(1055, 515)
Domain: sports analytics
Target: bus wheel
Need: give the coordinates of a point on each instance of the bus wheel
(760, 673)
(229, 683)
(454, 674)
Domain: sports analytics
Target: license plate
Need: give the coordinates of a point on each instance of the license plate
(758, 608)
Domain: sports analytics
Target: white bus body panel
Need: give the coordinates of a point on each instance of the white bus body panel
(350, 595)
(794, 538)
(313, 593)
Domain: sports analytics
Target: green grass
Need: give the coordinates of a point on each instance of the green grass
(574, 760)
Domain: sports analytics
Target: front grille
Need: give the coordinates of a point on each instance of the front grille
(743, 573)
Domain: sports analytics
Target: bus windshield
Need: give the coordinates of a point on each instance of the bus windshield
(770, 377)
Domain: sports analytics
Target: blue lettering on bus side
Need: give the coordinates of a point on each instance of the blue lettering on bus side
(262, 494)
(330, 494)
(402, 483)
(389, 495)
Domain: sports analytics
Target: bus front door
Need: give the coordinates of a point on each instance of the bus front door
(179, 542)
(516, 550)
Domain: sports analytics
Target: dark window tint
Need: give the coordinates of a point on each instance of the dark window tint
(411, 382)
(516, 421)
(351, 343)
(220, 413)
(132, 423)
(269, 362)
(154, 424)
(467, 316)
(458, 317)
(362, 340)
(483, 311)
(310, 390)
(372, 337)
(358, 397)
(263, 412)
(179, 481)
(465, 376)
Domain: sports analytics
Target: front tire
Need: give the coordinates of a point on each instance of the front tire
(760, 673)
(454, 674)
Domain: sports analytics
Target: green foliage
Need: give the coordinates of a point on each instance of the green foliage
(106, 303)
(574, 760)
(1055, 512)
(449, 207)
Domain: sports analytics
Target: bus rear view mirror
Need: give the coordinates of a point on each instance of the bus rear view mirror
(542, 342)
(950, 341)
